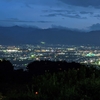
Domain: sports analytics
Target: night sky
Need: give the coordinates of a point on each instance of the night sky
(78, 14)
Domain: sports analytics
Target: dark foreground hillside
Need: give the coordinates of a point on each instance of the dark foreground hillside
(46, 80)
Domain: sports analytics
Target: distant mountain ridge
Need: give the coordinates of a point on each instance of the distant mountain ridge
(23, 35)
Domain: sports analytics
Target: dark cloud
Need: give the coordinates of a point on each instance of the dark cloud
(84, 3)
(27, 5)
(65, 15)
(66, 28)
(46, 11)
(59, 11)
(85, 12)
(23, 21)
(13, 20)
(98, 15)
(76, 16)
(36, 2)
(95, 27)
(51, 15)
(59, 27)
(44, 21)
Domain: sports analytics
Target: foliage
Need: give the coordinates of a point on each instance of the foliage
(74, 83)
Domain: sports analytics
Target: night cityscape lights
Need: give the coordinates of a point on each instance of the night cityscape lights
(21, 55)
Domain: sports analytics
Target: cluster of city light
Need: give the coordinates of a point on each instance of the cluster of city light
(26, 53)
(11, 51)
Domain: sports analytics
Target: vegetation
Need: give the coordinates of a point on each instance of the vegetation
(46, 80)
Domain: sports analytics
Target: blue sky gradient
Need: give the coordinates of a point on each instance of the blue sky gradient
(47, 13)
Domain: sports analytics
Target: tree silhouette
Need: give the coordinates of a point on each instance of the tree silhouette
(6, 66)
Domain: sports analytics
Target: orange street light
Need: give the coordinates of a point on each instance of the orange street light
(36, 93)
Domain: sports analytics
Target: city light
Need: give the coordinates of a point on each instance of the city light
(21, 55)
(36, 93)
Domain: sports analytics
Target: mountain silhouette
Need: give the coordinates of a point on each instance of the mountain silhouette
(23, 35)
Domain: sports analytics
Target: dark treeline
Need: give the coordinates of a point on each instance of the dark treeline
(40, 67)
(46, 80)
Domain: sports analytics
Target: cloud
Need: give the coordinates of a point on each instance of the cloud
(51, 15)
(85, 12)
(44, 21)
(94, 27)
(98, 15)
(27, 5)
(23, 21)
(76, 16)
(65, 15)
(65, 28)
(35, 2)
(13, 20)
(59, 27)
(83, 3)
(58, 10)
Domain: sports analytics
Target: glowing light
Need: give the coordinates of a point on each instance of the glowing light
(32, 56)
(36, 93)
(42, 42)
(90, 54)
(99, 63)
